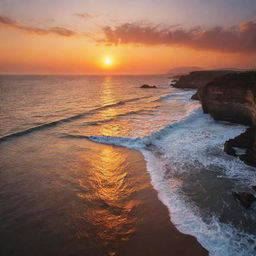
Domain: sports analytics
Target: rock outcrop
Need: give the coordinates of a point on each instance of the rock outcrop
(231, 98)
(196, 96)
(245, 141)
(228, 96)
(198, 79)
(146, 86)
(246, 199)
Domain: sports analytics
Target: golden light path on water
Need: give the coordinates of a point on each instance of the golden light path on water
(107, 96)
(111, 188)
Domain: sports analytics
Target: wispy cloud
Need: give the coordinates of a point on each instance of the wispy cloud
(59, 31)
(86, 15)
(240, 38)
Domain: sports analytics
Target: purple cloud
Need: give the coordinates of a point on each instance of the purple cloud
(240, 38)
(59, 31)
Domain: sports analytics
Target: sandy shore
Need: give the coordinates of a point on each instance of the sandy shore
(155, 234)
(84, 198)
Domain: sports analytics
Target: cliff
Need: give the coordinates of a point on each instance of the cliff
(228, 96)
(198, 79)
(232, 98)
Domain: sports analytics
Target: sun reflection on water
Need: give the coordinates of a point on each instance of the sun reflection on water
(108, 96)
(108, 188)
(111, 214)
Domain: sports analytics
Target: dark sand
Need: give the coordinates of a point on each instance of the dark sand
(155, 234)
(72, 197)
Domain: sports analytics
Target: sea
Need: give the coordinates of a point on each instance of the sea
(66, 146)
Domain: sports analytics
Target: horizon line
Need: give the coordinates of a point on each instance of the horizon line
(116, 74)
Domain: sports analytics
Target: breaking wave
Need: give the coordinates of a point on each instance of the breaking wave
(188, 156)
(67, 119)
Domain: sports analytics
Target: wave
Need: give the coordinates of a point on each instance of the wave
(139, 142)
(135, 143)
(67, 119)
(180, 153)
(178, 95)
(218, 238)
(98, 122)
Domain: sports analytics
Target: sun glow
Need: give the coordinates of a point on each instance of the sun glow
(108, 62)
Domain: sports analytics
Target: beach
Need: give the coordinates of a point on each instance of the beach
(69, 210)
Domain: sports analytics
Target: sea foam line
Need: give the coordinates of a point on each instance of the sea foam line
(220, 239)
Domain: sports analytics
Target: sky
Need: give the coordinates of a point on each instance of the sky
(135, 37)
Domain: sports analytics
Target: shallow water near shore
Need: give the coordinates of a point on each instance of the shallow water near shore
(61, 184)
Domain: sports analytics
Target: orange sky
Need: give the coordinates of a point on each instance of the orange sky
(36, 45)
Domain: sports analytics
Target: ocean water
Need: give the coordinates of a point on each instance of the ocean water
(53, 136)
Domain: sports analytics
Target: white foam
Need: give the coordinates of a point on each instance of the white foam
(218, 238)
(134, 143)
(195, 140)
(177, 95)
(200, 139)
(239, 151)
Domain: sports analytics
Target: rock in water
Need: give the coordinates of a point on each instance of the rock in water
(228, 148)
(246, 199)
(195, 96)
(246, 141)
(146, 86)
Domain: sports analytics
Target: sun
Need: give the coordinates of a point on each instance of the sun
(108, 62)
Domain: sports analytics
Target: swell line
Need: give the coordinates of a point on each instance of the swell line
(67, 119)
(98, 122)
(140, 142)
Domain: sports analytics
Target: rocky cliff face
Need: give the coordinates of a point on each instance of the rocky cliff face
(228, 96)
(232, 98)
(198, 79)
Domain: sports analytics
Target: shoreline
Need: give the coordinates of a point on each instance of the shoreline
(67, 194)
(156, 234)
(127, 218)
(229, 96)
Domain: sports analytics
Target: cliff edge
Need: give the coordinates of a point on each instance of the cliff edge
(228, 96)
(198, 79)
(231, 98)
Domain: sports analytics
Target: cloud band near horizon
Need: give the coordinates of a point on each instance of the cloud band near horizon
(59, 31)
(240, 38)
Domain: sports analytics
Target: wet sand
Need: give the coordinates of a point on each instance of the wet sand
(72, 197)
(155, 234)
